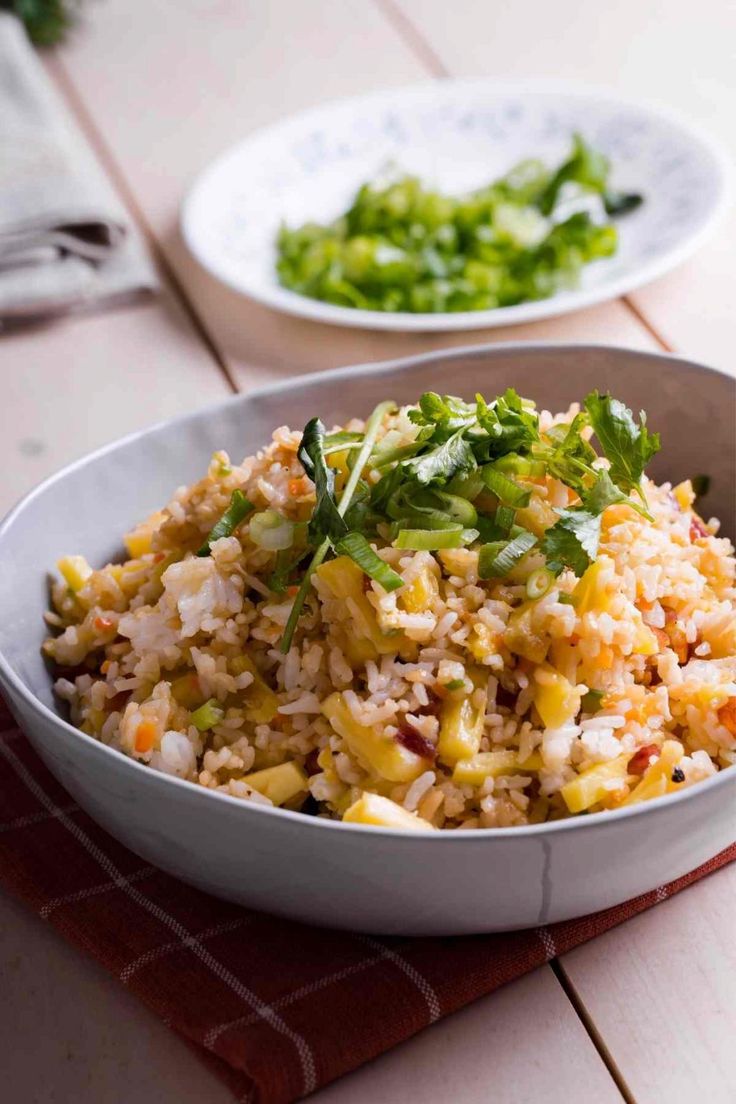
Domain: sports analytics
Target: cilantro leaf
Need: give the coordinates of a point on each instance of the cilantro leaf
(571, 456)
(511, 427)
(445, 413)
(602, 494)
(627, 446)
(325, 520)
(573, 541)
(439, 464)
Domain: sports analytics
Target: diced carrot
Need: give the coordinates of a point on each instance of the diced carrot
(145, 736)
(727, 715)
(296, 487)
(159, 557)
(105, 666)
(102, 624)
(292, 590)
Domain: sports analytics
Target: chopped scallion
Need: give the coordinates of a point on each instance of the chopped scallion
(498, 563)
(235, 514)
(208, 715)
(506, 490)
(539, 583)
(359, 550)
(591, 702)
(428, 540)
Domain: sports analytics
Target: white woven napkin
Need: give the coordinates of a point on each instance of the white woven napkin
(65, 239)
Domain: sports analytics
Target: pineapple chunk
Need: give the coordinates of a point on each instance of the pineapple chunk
(372, 809)
(589, 787)
(492, 764)
(645, 642)
(537, 517)
(521, 638)
(345, 579)
(261, 704)
(138, 540)
(76, 571)
(419, 593)
(186, 691)
(382, 754)
(556, 699)
(358, 649)
(461, 729)
(684, 494)
(657, 779)
(279, 784)
(591, 592)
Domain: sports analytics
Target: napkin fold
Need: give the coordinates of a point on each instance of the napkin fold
(65, 239)
(274, 1008)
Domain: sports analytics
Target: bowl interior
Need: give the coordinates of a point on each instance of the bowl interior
(88, 506)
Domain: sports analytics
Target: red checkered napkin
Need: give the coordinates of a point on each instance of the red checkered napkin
(275, 1008)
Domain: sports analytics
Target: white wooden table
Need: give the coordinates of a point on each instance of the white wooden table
(646, 1013)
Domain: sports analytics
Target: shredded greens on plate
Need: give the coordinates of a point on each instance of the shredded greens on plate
(402, 247)
(466, 479)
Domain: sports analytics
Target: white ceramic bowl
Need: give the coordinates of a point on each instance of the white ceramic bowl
(347, 875)
(456, 135)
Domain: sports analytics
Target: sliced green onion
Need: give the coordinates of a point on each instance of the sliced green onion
(466, 484)
(369, 438)
(338, 442)
(236, 513)
(496, 563)
(566, 599)
(428, 520)
(208, 715)
(504, 520)
(358, 549)
(505, 490)
(430, 507)
(428, 540)
(487, 555)
(525, 466)
(539, 583)
(271, 531)
(382, 457)
(455, 684)
(591, 702)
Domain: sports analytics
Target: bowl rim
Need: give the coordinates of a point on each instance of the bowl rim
(287, 301)
(8, 675)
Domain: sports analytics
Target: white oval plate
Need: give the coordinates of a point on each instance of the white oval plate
(456, 135)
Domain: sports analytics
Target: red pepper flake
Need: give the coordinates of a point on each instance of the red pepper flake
(697, 528)
(639, 762)
(412, 740)
(311, 765)
(505, 697)
(102, 624)
(433, 706)
(158, 557)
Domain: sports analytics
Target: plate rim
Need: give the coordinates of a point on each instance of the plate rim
(288, 302)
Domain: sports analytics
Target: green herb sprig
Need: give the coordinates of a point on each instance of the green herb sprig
(466, 478)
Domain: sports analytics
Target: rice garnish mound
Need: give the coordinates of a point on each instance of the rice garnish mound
(448, 702)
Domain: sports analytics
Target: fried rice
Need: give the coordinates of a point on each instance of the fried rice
(450, 701)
